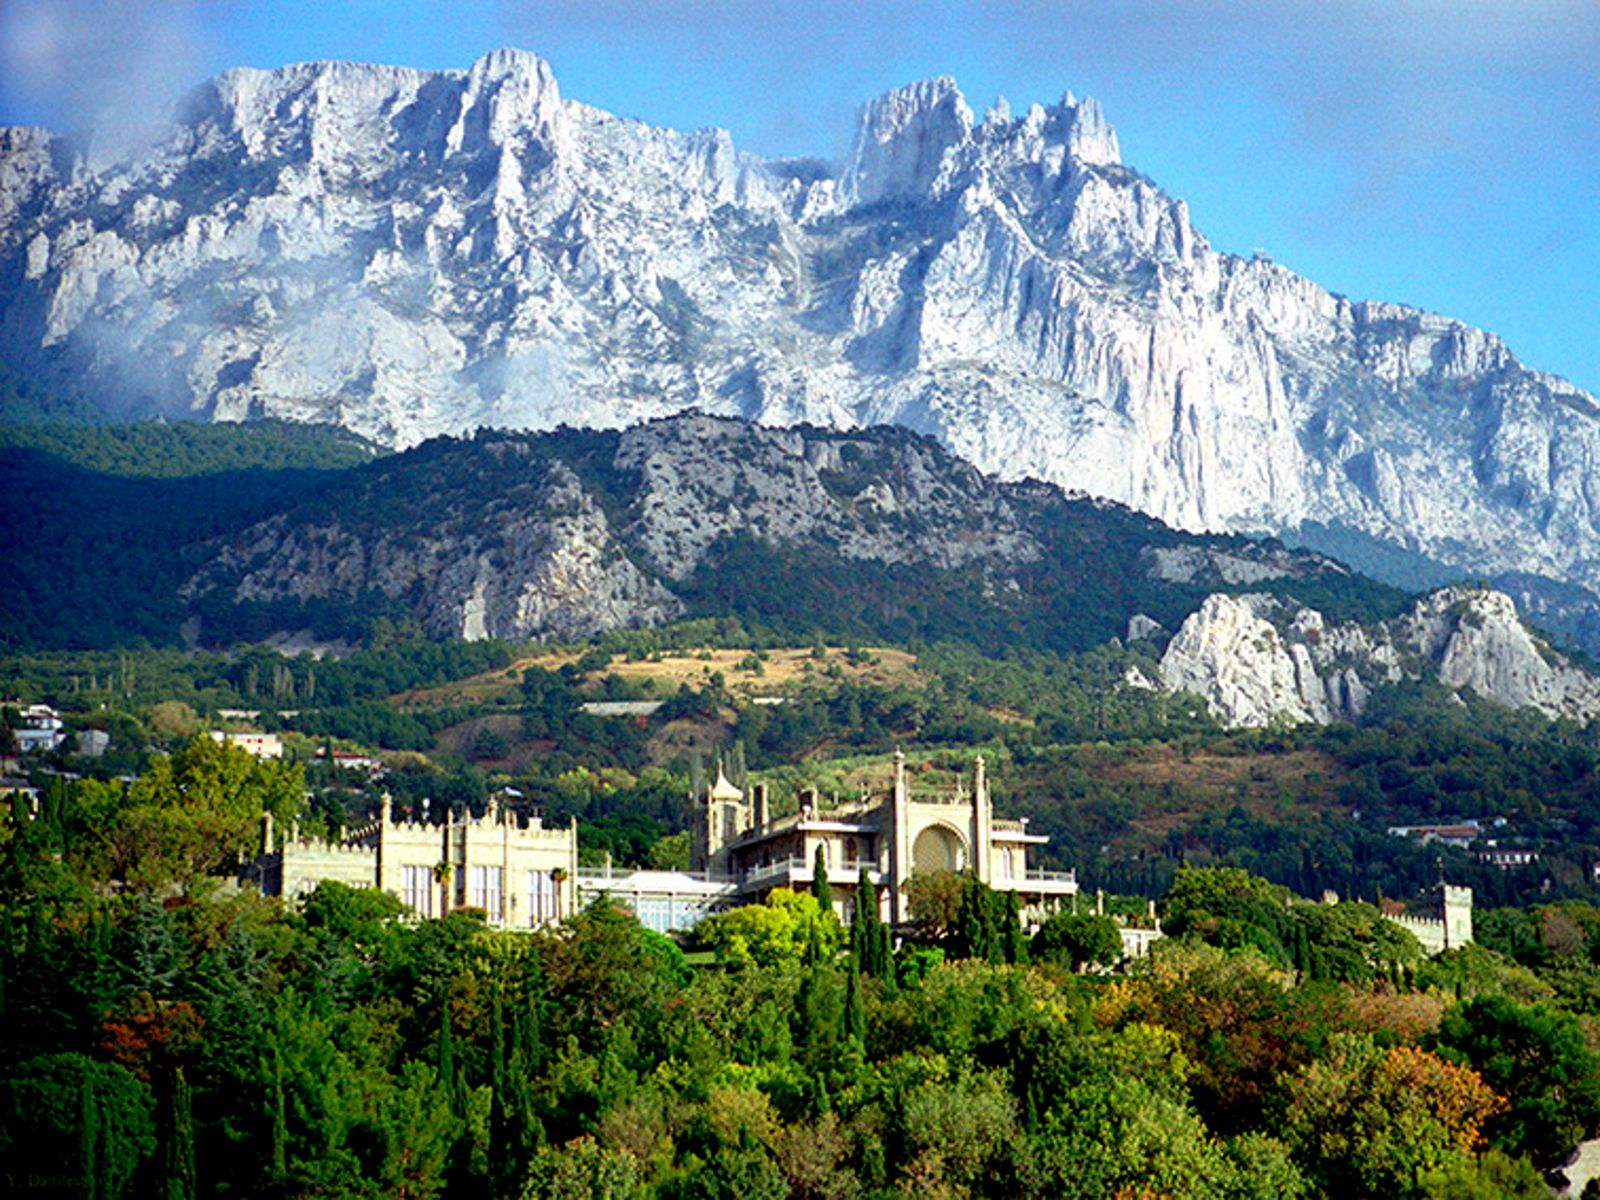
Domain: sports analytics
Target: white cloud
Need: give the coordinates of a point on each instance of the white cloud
(105, 69)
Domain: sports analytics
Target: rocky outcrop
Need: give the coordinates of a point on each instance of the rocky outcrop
(1255, 659)
(539, 561)
(566, 534)
(411, 253)
(1476, 642)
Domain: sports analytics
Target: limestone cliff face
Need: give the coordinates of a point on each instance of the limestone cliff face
(1255, 659)
(412, 253)
(1476, 642)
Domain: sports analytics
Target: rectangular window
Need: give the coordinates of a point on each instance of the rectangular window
(416, 889)
(1005, 863)
(541, 897)
(655, 912)
(491, 893)
(483, 890)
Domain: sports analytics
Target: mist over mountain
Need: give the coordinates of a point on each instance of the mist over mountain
(408, 253)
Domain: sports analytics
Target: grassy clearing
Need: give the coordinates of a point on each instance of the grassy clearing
(781, 671)
(1258, 783)
(1177, 792)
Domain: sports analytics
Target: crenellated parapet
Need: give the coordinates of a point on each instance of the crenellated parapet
(1447, 923)
(513, 868)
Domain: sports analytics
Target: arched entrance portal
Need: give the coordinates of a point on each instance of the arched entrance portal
(939, 848)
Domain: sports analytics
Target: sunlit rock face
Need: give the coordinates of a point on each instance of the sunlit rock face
(410, 252)
(1255, 659)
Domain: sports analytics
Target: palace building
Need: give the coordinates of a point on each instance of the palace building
(514, 869)
(522, 874)
(739, 852)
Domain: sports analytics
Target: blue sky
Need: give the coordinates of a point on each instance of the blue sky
(1441, 153)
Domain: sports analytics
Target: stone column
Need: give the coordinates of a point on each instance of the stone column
(982, 823)
(899, 840)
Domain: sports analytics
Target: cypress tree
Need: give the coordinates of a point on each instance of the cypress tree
(458, 1162)
(499, 1117)
(280, 1119)
(514, 1131)
(1301, 951)
(994, 913)
(813, 951)
(446, 1057)
(88, 1131)
(968, 932)
(865, 925)
(525, 1046)
(855, 1008)
(1016, 946)
(819, 880)
(178, 1150)
(818, 1009)
(977, 935)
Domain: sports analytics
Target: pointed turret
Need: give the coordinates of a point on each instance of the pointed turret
(723, 816)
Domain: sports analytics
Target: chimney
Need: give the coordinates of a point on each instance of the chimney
(759, 798)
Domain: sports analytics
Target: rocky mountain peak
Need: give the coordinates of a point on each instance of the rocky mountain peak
(902, 138)
(510, 96)
(1089, 136)
(1254, 658)
(411, 253)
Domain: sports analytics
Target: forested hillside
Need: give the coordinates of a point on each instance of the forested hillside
(269, 528)
(163, 1036)
(96, 560)
(157, 450)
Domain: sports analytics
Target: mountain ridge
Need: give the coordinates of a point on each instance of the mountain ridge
(409, 252)
(570, 532)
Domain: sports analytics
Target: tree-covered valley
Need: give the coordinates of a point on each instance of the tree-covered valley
(170, 1033)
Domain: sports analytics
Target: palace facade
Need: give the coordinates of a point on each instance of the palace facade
(739, 852)
(518, 872)
(522, 874)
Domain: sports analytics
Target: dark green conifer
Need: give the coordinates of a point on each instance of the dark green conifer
(886, 959)
(178, 1139)
(855, 1009)
(280, 1119)
(1015, 944)
(820, 887)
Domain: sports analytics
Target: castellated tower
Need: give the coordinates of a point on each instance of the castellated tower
(1443, 921)
(1457, 915)
(721, 817)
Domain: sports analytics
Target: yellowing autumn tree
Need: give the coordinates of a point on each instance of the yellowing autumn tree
(188, 816)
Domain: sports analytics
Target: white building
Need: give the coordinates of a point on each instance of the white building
(40, 731)
(739, 852)
(258, 745)
(519, 873)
